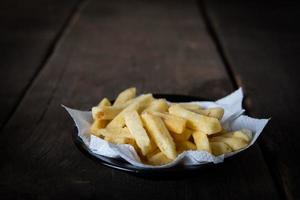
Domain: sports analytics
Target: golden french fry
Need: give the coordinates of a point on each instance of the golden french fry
(219, 148)
(125, 96)
(211, 112)
(234, 142)
(97, 124)
(173, 123)
(107, 112)
(190, 106)
(207, 125)
(159, 105)
(159, 159)
(138, 104)
(135, 126)
(184, 136)
(160, 134)
(243, 134)
(114, 132)
(185, 146)
(201, 141)
(120, 140)
(153, 152)
(104, 102)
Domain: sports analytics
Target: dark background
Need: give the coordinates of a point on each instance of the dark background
(74, 52)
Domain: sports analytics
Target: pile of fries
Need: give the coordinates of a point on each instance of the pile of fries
(159, 130)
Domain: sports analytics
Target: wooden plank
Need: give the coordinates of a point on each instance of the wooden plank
(158, 46)
(261, 42)
(27, 32)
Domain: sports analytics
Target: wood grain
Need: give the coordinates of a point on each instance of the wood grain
(261, 42)
(28, 30)
(158, 46)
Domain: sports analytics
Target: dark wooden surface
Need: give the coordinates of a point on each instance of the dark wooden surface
(261, 42)
(28, 31)
(161, 46)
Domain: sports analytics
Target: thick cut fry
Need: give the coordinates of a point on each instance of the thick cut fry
(114, 132)
(159, 105)
(159, 159)
(135, 126)
(191, 106)
(211, 112)
(138, 104)
(97, 124)
(207, 125)
(219, 148)
(243, 134)
(104, 102)
(233, 142)
(201, 141)
(173, 123)
(185, 146)
(153, 152)
(125, 96)
(184, 136)
(120, 140)
(160, 134)
(107, 112)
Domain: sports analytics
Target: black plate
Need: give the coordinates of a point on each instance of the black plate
(127, 167)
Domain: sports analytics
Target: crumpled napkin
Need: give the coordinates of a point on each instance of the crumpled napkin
(233, 119)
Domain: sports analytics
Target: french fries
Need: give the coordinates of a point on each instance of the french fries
(135, 126)
(173, 123)
(159, 105)
(159, 130)
(219, 148)
(201, 141)
(208, 125)
(159, 159)
(141, 102)
(184, 136)
(160, 134)
(125, 96)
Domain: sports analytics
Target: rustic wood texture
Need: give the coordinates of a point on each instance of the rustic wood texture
(158, 46)
(262, 44)
(27, 32)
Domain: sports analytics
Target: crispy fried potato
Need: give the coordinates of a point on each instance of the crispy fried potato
(211, 112)
(173, 123)
(201, 141)
(125, 96)
(104, 102)
(243, 134)
(114, 132)
(190, 106)
(138, 104)
(159, 105)
(207, 125)
(160, 134)
(107, 112)
(233, 142)
(219, 148)
(135, 126)
(97, 124)
(159, 159)
(185, 146)
(184, 136)
(120, 140)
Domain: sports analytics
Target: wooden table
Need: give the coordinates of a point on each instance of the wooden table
(75, 52)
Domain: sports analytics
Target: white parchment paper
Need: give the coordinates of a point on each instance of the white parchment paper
(233, 119)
